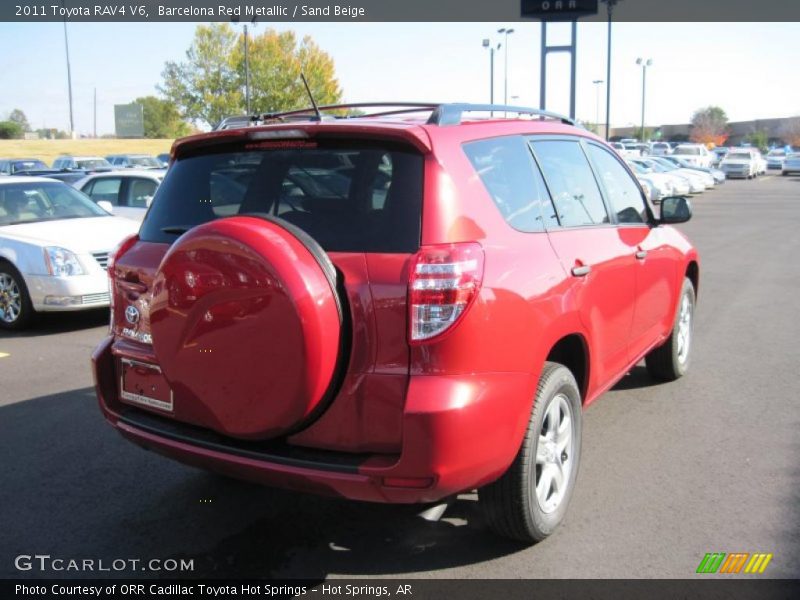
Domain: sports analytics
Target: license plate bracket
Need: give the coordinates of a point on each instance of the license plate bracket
(143, 384)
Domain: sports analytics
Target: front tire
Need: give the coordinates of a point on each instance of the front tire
(670, 361)
(16, 310)
(530, 499)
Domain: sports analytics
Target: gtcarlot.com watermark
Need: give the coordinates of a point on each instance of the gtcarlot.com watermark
(45, 563)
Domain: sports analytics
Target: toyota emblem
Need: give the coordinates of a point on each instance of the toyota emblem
(132, 315)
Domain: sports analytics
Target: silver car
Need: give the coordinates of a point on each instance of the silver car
(124, 193)
(791, 164)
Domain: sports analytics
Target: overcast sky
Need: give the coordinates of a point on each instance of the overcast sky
(749, 69)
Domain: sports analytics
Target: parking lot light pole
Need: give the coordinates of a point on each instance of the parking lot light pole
(506, 32)
(487, 43)
(597, 83)
(610, 6)
(644, 63)
(246, 72)
(69, 82)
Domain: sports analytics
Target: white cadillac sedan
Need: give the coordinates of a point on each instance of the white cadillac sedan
(54, 245)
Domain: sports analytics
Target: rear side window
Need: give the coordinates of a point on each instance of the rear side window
(105, 188)
(349, 198)
(508, 172)
(140, 191)
(572, 185)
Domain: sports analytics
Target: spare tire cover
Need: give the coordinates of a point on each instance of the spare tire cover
(246, 326)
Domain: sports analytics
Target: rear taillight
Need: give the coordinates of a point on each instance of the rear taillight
(113, 256)
(443, 282)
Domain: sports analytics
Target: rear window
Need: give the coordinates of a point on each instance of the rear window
(349, 198)
(688, 150)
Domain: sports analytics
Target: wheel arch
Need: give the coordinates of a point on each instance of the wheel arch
(693, 273)
(572, 351)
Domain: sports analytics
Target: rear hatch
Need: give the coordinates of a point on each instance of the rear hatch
(265, 296)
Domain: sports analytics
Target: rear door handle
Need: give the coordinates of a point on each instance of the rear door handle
(581, 271)
(641, 254)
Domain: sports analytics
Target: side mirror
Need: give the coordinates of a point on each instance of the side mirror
(675, 209)
(106, 206)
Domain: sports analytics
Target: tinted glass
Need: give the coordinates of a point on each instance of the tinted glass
(92, 163)
(688, 150)
(364, 198)
(27, 165)
(571, 182)
(46, 201)
(623, 193)
(511, 177)
(144, 161)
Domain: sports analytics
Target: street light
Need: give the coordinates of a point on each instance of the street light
(610, 4)
(644, 63)
(69, 80)
(506, 32)
(487, 43)
(597, 83)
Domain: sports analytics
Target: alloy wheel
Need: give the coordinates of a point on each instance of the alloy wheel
(554, 454)
(10, 298)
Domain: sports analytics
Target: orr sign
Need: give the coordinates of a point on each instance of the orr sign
(558, 10)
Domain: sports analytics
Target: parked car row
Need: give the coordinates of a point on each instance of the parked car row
(85, 164)
(663, 176)
(54, 246)
(56, 232)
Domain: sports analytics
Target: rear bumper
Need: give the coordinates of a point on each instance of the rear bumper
(459, 432)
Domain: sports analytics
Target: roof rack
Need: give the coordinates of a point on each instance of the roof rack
(441, 114)
(451, 114)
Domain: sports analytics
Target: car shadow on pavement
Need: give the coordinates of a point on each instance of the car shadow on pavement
(76, 489)
(636, 378)
(61, 322)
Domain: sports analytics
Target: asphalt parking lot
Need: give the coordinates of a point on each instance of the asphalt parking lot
(669, 473)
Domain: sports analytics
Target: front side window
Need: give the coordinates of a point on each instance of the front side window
(572, 185)
(623, 193)
(508, 172)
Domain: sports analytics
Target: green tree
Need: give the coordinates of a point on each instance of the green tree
(759, 139)
(10, 130)
(709, 126)
(210, 84)
(206, 86)
(162, 119)
(17, 116)
(276, 61)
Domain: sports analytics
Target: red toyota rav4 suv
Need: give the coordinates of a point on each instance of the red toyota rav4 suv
(391, 308)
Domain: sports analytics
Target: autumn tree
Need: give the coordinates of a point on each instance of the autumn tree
(709, 126)
(210, 84)
(162, 119)
(790, 132)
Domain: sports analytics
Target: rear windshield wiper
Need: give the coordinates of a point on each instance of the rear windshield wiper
(176, 229)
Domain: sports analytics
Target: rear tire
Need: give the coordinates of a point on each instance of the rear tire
(530, 499)
(671, 360)
(16, 310)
